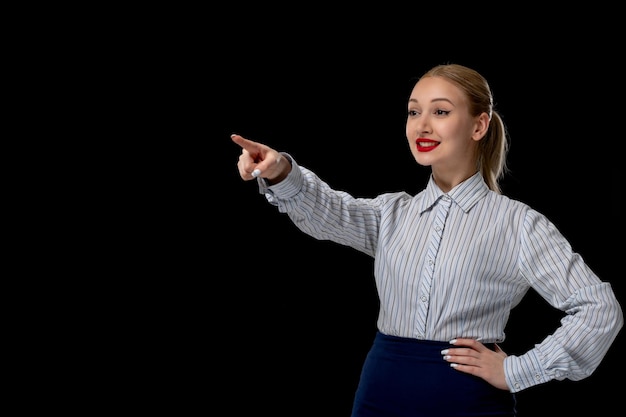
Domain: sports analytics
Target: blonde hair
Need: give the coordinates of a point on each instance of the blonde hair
(493, 148)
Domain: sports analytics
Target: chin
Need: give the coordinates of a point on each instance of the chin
(423, 160)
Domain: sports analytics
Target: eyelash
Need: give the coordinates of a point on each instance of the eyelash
(437, 112)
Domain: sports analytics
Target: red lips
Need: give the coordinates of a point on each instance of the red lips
(426, 145)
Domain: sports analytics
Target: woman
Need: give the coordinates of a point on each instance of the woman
(450, 263)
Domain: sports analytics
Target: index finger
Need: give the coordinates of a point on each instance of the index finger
(248, 145)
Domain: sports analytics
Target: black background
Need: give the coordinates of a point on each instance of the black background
(251, 315)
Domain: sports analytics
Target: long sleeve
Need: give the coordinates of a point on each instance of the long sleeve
(324, 213)
(593, 315)
(454, 264)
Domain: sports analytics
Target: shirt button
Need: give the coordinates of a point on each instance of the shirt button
(424, 298)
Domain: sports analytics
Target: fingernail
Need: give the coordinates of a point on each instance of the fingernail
(445, 351)
(452, 342)
(454, 365)
(256, 173)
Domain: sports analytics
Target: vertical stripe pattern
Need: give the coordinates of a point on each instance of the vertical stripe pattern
(454, 264)
(441, 209)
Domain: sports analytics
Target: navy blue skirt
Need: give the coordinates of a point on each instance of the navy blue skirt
(408, 378)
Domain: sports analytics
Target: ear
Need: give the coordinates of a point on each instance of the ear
(480, 129)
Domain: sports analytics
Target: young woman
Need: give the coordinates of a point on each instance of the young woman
(450, 263)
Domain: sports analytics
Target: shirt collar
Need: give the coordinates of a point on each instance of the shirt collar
(465, 195)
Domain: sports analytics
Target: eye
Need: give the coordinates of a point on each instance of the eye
(440, 112)
(413, 113)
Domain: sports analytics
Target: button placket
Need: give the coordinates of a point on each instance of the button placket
(442, 207)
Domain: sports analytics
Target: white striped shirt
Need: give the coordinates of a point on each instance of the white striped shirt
(450, 265)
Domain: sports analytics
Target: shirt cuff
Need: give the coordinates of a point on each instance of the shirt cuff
(288, 188)
(524, 371)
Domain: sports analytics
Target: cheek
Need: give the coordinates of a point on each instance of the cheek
(411, 136)
(410, 130)
(453, 131)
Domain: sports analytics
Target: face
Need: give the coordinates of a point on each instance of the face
(440, 130)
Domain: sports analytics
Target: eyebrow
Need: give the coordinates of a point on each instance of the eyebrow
(412, 100)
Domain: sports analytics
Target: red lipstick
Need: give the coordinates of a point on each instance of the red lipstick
(426, 145)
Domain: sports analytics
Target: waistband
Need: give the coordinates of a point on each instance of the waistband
(402, 343)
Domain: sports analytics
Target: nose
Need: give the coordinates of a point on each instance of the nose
(422, 124)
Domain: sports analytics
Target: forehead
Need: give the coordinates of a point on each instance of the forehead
(431, 89)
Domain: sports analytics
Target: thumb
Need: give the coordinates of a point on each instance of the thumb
(499, 350)
(258, 156)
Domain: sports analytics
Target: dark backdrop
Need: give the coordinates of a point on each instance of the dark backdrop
(258, 317)
(306, 310)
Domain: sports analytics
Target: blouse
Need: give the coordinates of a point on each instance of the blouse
(452, 265)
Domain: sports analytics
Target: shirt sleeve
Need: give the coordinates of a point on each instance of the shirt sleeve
(324, 213)
(593, 316)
